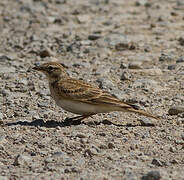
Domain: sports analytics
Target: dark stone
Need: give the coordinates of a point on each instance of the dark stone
(152, 175)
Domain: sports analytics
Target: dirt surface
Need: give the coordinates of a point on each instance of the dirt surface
(133, 49)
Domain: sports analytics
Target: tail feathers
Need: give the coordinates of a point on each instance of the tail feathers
(141, 112)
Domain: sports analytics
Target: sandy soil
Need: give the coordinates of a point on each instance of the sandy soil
(133, 49)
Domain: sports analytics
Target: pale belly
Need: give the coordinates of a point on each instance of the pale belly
(82, 108)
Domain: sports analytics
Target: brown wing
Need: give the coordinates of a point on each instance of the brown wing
(81, 91)
(76, 90)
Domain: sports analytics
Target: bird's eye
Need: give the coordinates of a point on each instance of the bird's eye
(50, 68)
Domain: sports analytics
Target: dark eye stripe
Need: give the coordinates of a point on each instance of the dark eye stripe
(51, 68)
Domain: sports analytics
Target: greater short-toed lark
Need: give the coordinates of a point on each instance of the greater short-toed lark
(80, 97)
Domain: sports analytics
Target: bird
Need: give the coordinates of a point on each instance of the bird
(80, 97)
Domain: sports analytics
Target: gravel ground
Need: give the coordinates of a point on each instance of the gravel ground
(134, 49)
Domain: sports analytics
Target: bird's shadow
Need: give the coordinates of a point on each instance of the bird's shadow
(67, 122)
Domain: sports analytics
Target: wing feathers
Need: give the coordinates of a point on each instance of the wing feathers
(83, 92)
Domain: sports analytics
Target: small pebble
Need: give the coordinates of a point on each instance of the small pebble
(157, 162)
(180, 59)
(146, 122)
(45, 53)
(94, 37)
(1, 116)
(81, 135)
(152, 175)
(181, 41)
(22, 160)
(176, 110)
(111, 145)
(135, 65)
(126, 75)
(166, 57)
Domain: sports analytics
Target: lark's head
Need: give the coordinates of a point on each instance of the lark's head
(53, 70)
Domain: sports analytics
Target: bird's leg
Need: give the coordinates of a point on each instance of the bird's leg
(74, 118)
(84, 117)
(78, 118)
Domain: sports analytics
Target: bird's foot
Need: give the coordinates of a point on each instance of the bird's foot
(77, 118)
